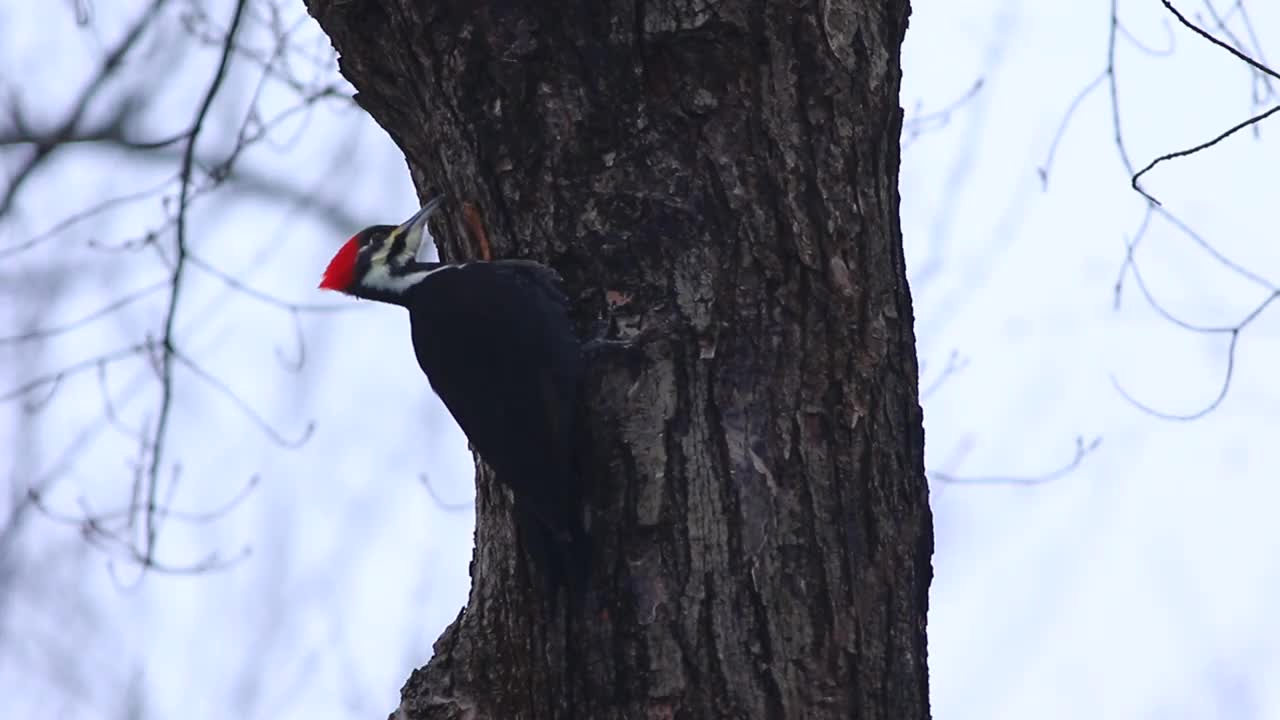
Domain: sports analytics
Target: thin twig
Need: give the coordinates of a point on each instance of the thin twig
(1205, 34)
(1043, 170)
(955, 364)
(74, 369)
(1193, 150)
(267, 428)
(1233, 331)
(112, 307)
(249, 291)
(169, 350)
(1083, 450)
(921, 123)
(439, 501)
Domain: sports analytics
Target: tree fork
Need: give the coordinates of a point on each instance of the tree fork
(759, 506)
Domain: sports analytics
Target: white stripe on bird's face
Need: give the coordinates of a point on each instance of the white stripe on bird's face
(398, 279)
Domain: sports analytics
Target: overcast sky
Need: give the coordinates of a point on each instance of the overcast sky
(1141, 584)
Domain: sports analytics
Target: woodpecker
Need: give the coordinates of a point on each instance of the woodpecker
(495, 342)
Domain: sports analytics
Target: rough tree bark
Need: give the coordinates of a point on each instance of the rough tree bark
(727, 171)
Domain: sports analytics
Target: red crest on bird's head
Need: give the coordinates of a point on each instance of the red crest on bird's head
(341, 272)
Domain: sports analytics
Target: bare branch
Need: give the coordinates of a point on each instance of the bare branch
(56, 378)
(1043, 170)
(169, 350)
(1082, 451)
(80, 216)
(440, 502)
(102, 518)
(1117, 135)
(1204, 34)
(1143, 47)
(115, 306)
(112, 131)
(267, 298)
(1233, 331)
(266, 427)
(920, 123)
(1202, 146)
(1226, 262)
(112, 416)
(1262, 87)
(294, 366)
(1117, 290)
(955, 364)
(1223, 136)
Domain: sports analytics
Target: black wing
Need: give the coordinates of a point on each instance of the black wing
(496, 343)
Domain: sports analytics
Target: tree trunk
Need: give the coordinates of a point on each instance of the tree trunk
(725, 173)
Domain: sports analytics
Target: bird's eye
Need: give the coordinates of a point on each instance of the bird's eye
(369, 236)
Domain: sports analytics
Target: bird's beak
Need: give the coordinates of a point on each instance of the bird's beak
(415, 227)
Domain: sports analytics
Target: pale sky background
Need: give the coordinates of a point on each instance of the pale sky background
(1141, 585)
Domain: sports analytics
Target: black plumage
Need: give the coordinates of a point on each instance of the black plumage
(497, 345)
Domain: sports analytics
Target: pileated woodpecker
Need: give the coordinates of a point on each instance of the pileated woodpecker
(496, 344)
